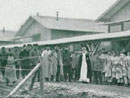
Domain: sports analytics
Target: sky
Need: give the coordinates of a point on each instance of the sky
(14, 13)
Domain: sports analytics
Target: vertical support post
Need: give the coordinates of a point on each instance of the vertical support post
(96, 48)
(92, 45)
(87, 45)
(109, 28)
(41, 79)
(122, 26)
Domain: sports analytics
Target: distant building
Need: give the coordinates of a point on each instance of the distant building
(117, 19)
(40, 28)
(6, 37)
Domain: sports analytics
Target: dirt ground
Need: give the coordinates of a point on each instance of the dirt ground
(70, 90)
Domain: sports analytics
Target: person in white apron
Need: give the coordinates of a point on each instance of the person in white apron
(85, 71)
(10, 71)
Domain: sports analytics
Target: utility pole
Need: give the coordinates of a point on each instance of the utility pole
(57, 14)
(41, 78)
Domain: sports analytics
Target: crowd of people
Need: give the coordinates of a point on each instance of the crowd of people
(110, 67)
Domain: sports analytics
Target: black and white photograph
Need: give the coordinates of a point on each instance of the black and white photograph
(64, 48)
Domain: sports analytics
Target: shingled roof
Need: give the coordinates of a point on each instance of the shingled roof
(70, 24)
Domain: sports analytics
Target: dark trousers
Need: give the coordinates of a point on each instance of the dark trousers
(58, 73)
(75, 74)
(67, 71)
(3, 65)
(25, 67)
(17, 66)
(97, 77)
(36, 74)
(24, 71)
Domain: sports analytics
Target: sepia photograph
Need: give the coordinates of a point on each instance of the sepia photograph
(64, 48)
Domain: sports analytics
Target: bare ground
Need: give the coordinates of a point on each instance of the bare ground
(71, 90)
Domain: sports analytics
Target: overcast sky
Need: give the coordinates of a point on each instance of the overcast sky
(13, 13)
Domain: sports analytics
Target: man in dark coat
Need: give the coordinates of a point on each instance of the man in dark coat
(25, 61)
(3, 60)
(89, 69)
(35, 54)
(67, 64)
(97, 68)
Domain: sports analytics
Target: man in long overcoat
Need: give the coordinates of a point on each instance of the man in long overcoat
(46, 63)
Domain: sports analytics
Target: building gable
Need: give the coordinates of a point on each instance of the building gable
(122, 14)
(114, 9)
(23, 27)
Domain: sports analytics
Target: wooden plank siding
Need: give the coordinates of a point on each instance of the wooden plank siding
(57, 34)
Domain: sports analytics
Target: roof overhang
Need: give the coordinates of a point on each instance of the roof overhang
(125, 35)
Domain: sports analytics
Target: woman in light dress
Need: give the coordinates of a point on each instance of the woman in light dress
(128, 67)
(119, 74)
(85, 71)
(53, 65)
(108, 71)
(10, 71)
(46, 63)
(115, 62)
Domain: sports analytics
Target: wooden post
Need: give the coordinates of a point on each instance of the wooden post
(87, 46)
(96, 48)
(109, 28)
(122, 26)
(23, 81)
(42, 80)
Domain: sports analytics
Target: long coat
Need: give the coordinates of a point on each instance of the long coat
(10, 71)
(53, 63)
(46, 63)
(89, 69)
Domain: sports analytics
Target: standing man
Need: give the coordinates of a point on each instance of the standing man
(17, 64)
(67, 64)
(59, 72)
(104, 63)
(97, 68)
(75, 61)
(24, 56)
(3, 60)
(35, 59)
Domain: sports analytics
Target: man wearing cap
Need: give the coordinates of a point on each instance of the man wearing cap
(25, 65)
(67, 64)
(35, 59)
